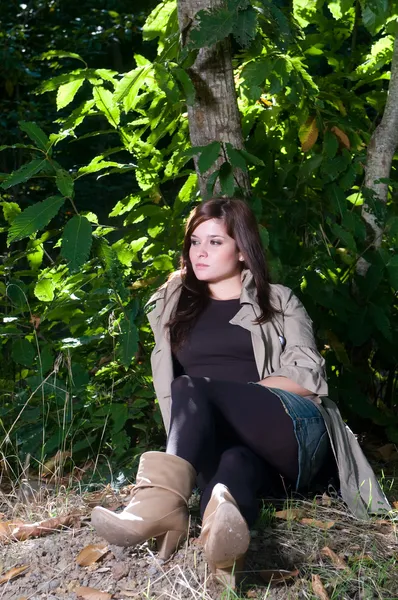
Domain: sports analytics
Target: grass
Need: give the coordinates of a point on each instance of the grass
(368, 549)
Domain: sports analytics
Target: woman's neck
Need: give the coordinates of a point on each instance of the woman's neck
(227, 289)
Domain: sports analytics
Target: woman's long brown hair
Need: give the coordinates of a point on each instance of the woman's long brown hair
(241, 225)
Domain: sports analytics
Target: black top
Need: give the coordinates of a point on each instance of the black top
(217, 349)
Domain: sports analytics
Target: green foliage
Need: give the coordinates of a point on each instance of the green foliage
(80, 266)
(23, 173)
(212, 26)
(34, 218)
(76, 242)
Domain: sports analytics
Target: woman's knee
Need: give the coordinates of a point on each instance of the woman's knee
(180, 385)
(238, 458)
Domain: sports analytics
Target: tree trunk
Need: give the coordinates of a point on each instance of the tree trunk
(214, 115)
(382, 147)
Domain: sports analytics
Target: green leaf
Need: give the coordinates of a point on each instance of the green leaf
(235, 157)
(76, 242)
(35, 253)
(208, 156)
(251, 159)
(211, 27)
(330, 144)
(163, 262)
(16, 292)
(23, 352)
(264, 235)
(374, 14)
(129, 341)
(36, 134)
(339, 8)
(24, 173)
(158, 20)
(310, 165)
(44, 290)
(59, 54)
(10, 211)
(227, 181)
(245, 26)
(64, 183)
(344, 236)
(128, 87)
(186, 84)
(67, 92)
(34, 218)
(53, 84)
(106, 104)
(211, 182)
(119, 415)
(393, 271)
(337, 199)
(304, 11)
(381, 320)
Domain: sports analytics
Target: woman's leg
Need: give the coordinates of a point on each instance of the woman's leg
(254, 413)
(245, 474)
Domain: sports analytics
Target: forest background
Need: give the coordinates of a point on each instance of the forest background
(98, 175)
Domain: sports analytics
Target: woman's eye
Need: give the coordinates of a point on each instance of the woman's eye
(194, 242)
(216, 242)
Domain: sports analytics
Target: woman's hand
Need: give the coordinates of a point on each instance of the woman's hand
(283, 383)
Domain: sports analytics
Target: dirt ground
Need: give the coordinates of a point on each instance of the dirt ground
(368, 567)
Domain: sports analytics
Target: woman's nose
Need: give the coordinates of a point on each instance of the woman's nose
(202, 251)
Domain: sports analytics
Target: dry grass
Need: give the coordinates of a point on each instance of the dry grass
(369, 551)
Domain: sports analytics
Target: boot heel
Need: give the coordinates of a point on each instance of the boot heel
(168, 542)
(231, 576)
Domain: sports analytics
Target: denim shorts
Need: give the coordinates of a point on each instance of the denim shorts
(311, 434)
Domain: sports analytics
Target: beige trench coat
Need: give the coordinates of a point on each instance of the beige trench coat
(284, 346)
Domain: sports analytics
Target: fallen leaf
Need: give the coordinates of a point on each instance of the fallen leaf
(91, 594)
(55, 462)
(387, 451)
(12, 573)
(91, 553)
(251, 594)
(290, 514)
(277, 575)
(343, 137)
(362, 557)
(319, 524)
(18, 530)
(326, 500)
(395, 505)
(337, 561)
(106, 498)
(384, 526)
(318, 589)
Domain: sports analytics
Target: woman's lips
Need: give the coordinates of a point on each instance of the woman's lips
(201, 266)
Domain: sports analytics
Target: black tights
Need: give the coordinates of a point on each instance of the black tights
(232, 433)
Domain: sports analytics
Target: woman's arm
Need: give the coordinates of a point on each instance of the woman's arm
(301, 367)
(283, 383)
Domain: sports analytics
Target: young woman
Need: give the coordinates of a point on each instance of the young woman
(239, 380)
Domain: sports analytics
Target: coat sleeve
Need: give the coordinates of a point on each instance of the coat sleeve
(300, 360)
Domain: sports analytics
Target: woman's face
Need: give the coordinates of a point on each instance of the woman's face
(213, 253)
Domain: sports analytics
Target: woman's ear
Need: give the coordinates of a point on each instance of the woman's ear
(241, 257)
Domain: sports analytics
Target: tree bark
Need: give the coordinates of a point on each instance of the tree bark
(214, 116)
(381, 150)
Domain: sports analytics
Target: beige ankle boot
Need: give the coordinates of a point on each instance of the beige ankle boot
(225, 536)
(158, 507)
